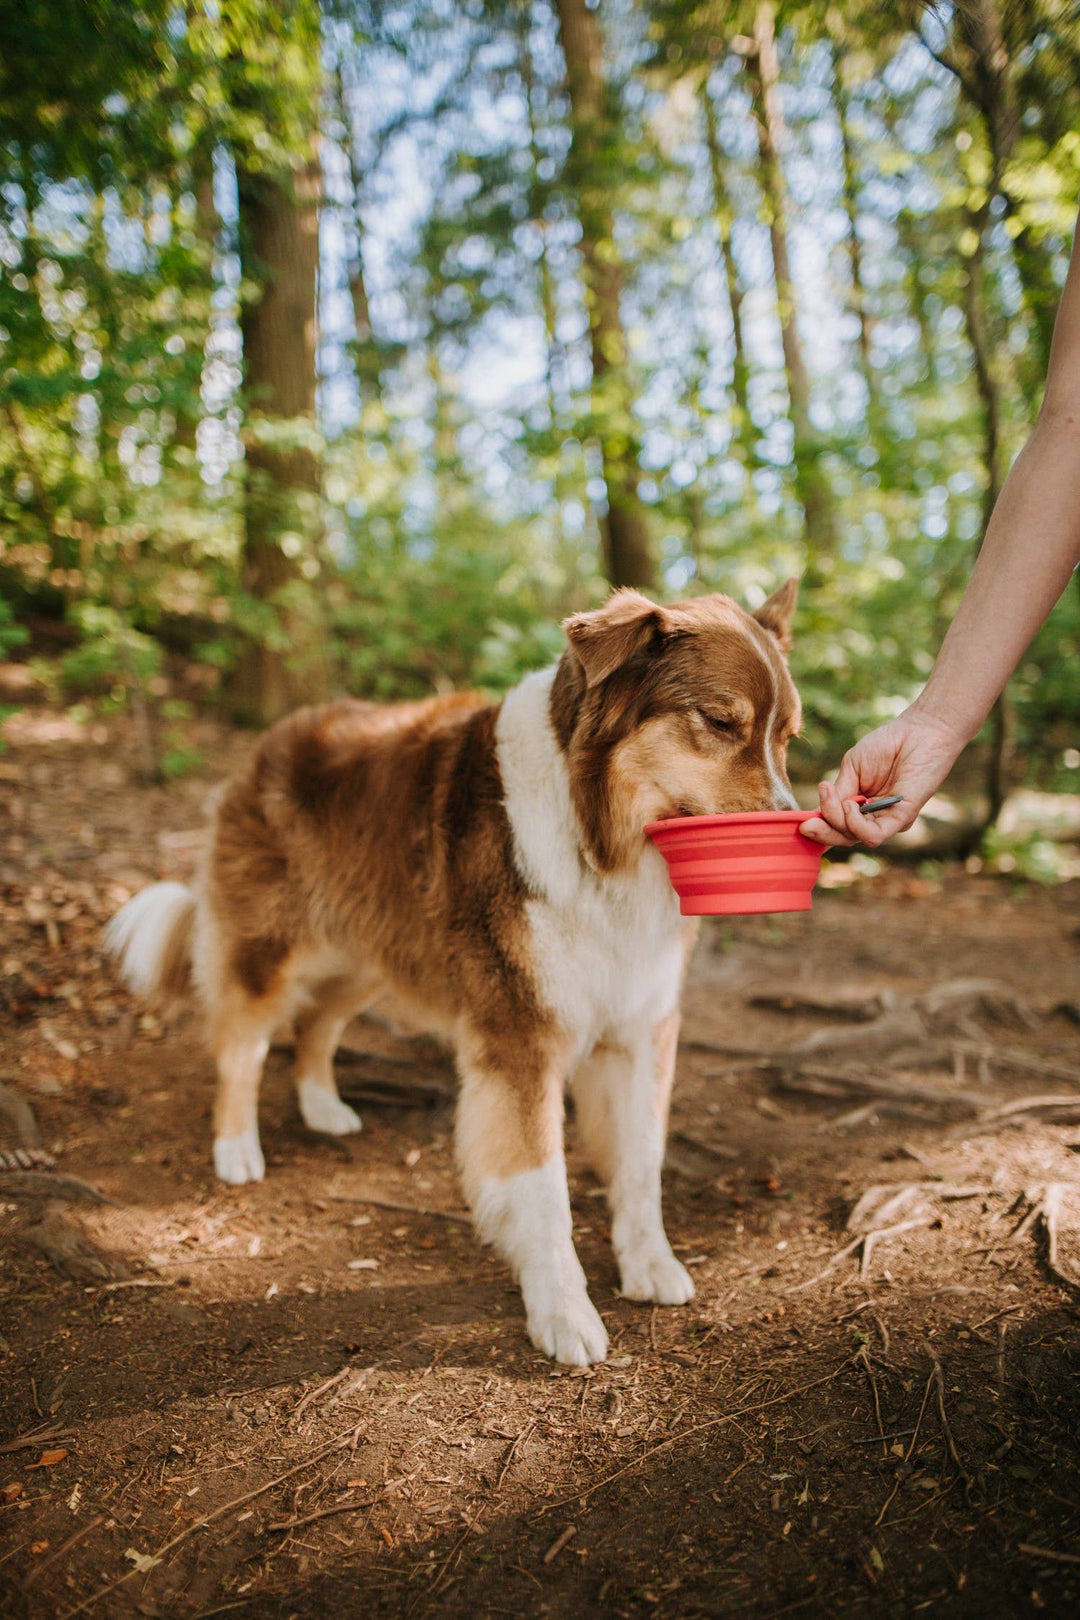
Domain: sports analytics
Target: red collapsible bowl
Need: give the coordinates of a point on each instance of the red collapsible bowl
(730, 865)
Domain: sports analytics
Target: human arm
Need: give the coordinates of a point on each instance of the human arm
(1031, 546)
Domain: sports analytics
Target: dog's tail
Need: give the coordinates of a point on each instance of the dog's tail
(152, 938)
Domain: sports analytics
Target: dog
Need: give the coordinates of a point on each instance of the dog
(481, 867)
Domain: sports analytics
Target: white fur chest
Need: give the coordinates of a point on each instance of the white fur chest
(607, 951)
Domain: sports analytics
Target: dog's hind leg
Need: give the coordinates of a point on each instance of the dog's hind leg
(621, 1093)
(251, 990)
(317, 1035)
(510, 1151)
(240, 1036)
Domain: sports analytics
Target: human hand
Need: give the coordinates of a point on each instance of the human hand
(910, 756)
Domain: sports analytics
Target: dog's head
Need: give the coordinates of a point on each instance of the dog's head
(684, 710)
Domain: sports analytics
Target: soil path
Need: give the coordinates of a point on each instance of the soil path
(303, 1399)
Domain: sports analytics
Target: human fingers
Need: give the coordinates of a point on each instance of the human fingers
(829, 826)
(820, 831)
(874, 830)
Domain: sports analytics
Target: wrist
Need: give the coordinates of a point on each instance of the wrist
(952, 730)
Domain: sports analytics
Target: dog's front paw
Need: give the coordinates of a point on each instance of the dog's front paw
(657, 1277)
(574, 1334)
(238, 1159)
(323, 1110)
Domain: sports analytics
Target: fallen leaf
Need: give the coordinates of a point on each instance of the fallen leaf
(48, 1458)
(144, 1562)
(38, 1546)
(10, 1492)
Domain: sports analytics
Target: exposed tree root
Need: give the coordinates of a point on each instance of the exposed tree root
(44, 1184)
(1046, 1209)
(874, 1219)
(16, 1108)
(68, 1249)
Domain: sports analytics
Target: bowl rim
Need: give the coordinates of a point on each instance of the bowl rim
(752, 818)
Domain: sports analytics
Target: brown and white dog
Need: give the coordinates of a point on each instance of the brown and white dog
(481, 867)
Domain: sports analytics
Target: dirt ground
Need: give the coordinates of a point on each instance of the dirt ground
(315, 1396)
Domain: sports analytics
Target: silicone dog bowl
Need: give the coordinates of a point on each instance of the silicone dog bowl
(730, 865)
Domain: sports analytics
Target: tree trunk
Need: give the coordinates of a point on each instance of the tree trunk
(368, 371)
(980, 57)
(627, 552)
(811, 485)
(568, 547)
(1002, 719)
(842, 104)
(745, 432)
(189, 415)
(284, 661)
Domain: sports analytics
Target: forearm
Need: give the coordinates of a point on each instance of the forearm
(1032, 544)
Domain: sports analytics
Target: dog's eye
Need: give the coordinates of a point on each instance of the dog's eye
(715, 722)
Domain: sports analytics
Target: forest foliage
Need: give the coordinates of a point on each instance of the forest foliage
(350, 346)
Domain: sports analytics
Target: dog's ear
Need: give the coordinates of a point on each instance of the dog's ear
(777, 613)
(609, 637)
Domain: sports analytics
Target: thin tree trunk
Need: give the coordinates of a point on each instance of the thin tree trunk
(842, 104)
(189, 415)
(811, 484)
(1002, 718)
(627, 552)
(979, 55)
(286, 665)
(368, 375)
(567, 548)
(745, 433)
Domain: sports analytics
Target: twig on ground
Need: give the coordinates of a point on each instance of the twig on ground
(210, 1518)
(950, 1443)
(907, 1456)
(1066, 1107)
(714, 1150)
(399, 1209)
(1045, 1552)
(524, 1433)
(559, 1543)
(84, 1530)
(138, 1282)
(320, 1513)
(687, 1434)
(313, 1394)
(44, 1434)
(864, 1361)
(440, 1573)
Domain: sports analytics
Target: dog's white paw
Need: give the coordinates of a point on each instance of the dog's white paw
(238, 1159)
(323, 1110)
(574, 1334)
(655, 1276)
